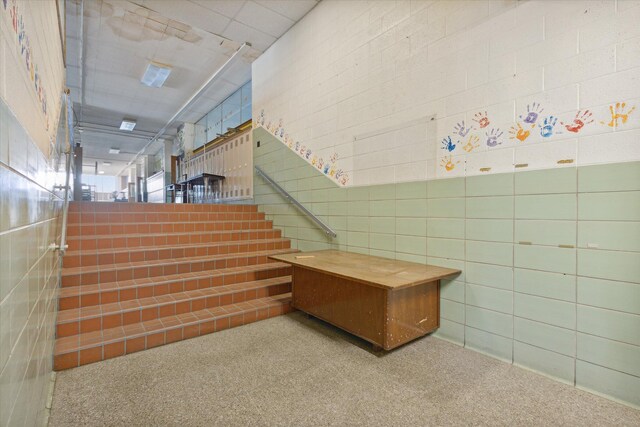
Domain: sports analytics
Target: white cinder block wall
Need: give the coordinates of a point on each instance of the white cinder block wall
(372, 92)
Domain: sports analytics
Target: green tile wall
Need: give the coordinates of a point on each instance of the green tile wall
(550, 259)
(29, 221)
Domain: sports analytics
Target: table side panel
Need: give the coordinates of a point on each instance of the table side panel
(352, 306)
(412, 313)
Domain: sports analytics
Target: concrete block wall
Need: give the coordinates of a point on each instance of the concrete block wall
(31, 81)
(550, 259)
(396, 91)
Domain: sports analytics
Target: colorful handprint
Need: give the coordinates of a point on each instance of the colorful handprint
(493, 137)
(619, 112)
(546, 128)
(519, 132)
(472, 144)
(448, 163)
(581, 120)
(482, 119)
(447, 144)
(461, 129)
(533, 112)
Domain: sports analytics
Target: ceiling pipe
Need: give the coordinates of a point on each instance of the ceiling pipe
(245, 46)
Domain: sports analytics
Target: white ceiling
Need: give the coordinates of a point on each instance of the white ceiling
(111, 43)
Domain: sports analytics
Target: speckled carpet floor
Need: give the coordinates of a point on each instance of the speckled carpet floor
(295, 371)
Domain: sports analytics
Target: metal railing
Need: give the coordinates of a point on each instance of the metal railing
(62, 247)
(328, 231)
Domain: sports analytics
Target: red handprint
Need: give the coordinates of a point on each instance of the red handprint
(482, 119)
(581, 120)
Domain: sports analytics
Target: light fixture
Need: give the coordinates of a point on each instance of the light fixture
(100, 172)
(114, 150)
(155, 75)
(127, 124)
(106, 163)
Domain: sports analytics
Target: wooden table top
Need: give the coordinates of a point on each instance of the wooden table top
(381, 272)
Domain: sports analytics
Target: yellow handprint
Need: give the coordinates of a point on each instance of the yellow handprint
(448, 164)
(519, 132)
(619, 113)
(471, 144)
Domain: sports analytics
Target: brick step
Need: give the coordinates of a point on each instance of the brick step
(105, 344)
(107, 316)
(86, 258)
(108, 241)
(78, 218)
(157, 207)
(104, 293)
(91, 275)
(165, 227)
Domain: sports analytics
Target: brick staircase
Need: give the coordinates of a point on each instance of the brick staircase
(137, 276)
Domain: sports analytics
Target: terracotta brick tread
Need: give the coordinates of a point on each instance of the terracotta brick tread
(108, 241)
(146, 227)
(105, 293)
(147, 269)
(102, 218)
(136, 276)
(106, 316)
(90, 257)
(100, 345)
(159, 207)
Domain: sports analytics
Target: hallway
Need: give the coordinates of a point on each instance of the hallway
(291, 370)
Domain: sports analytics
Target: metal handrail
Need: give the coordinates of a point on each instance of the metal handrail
(296, 203)
(69, 152)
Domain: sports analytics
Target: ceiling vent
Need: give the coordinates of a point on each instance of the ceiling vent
(155, 75)
(128, 125)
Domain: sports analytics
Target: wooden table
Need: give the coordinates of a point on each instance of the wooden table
(384, 301)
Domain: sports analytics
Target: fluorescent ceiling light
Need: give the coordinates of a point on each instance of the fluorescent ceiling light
(114, 151)
(100, 172)
(155, 75)
(106, 163)
(127, 124)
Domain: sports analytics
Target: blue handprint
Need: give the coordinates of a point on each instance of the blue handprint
(492, 137)
(546, 128)
(448, 145)
(461, 129)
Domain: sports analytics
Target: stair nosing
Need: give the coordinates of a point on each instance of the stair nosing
(71, 271)
(191, 295)
(159, 280)
(274, 301)
(80, 252)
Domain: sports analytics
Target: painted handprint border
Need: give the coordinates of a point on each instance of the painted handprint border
(328, 168)
(470, 137)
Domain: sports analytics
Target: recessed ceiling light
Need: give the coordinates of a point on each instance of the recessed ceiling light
(128, 124)
(100, 172)
(114, 151)
(106, 163)
(155, 75)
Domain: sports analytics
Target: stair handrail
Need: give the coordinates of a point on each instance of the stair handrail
(68, 167)
(328, 230)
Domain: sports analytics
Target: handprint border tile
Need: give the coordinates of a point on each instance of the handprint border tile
(329, 167)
